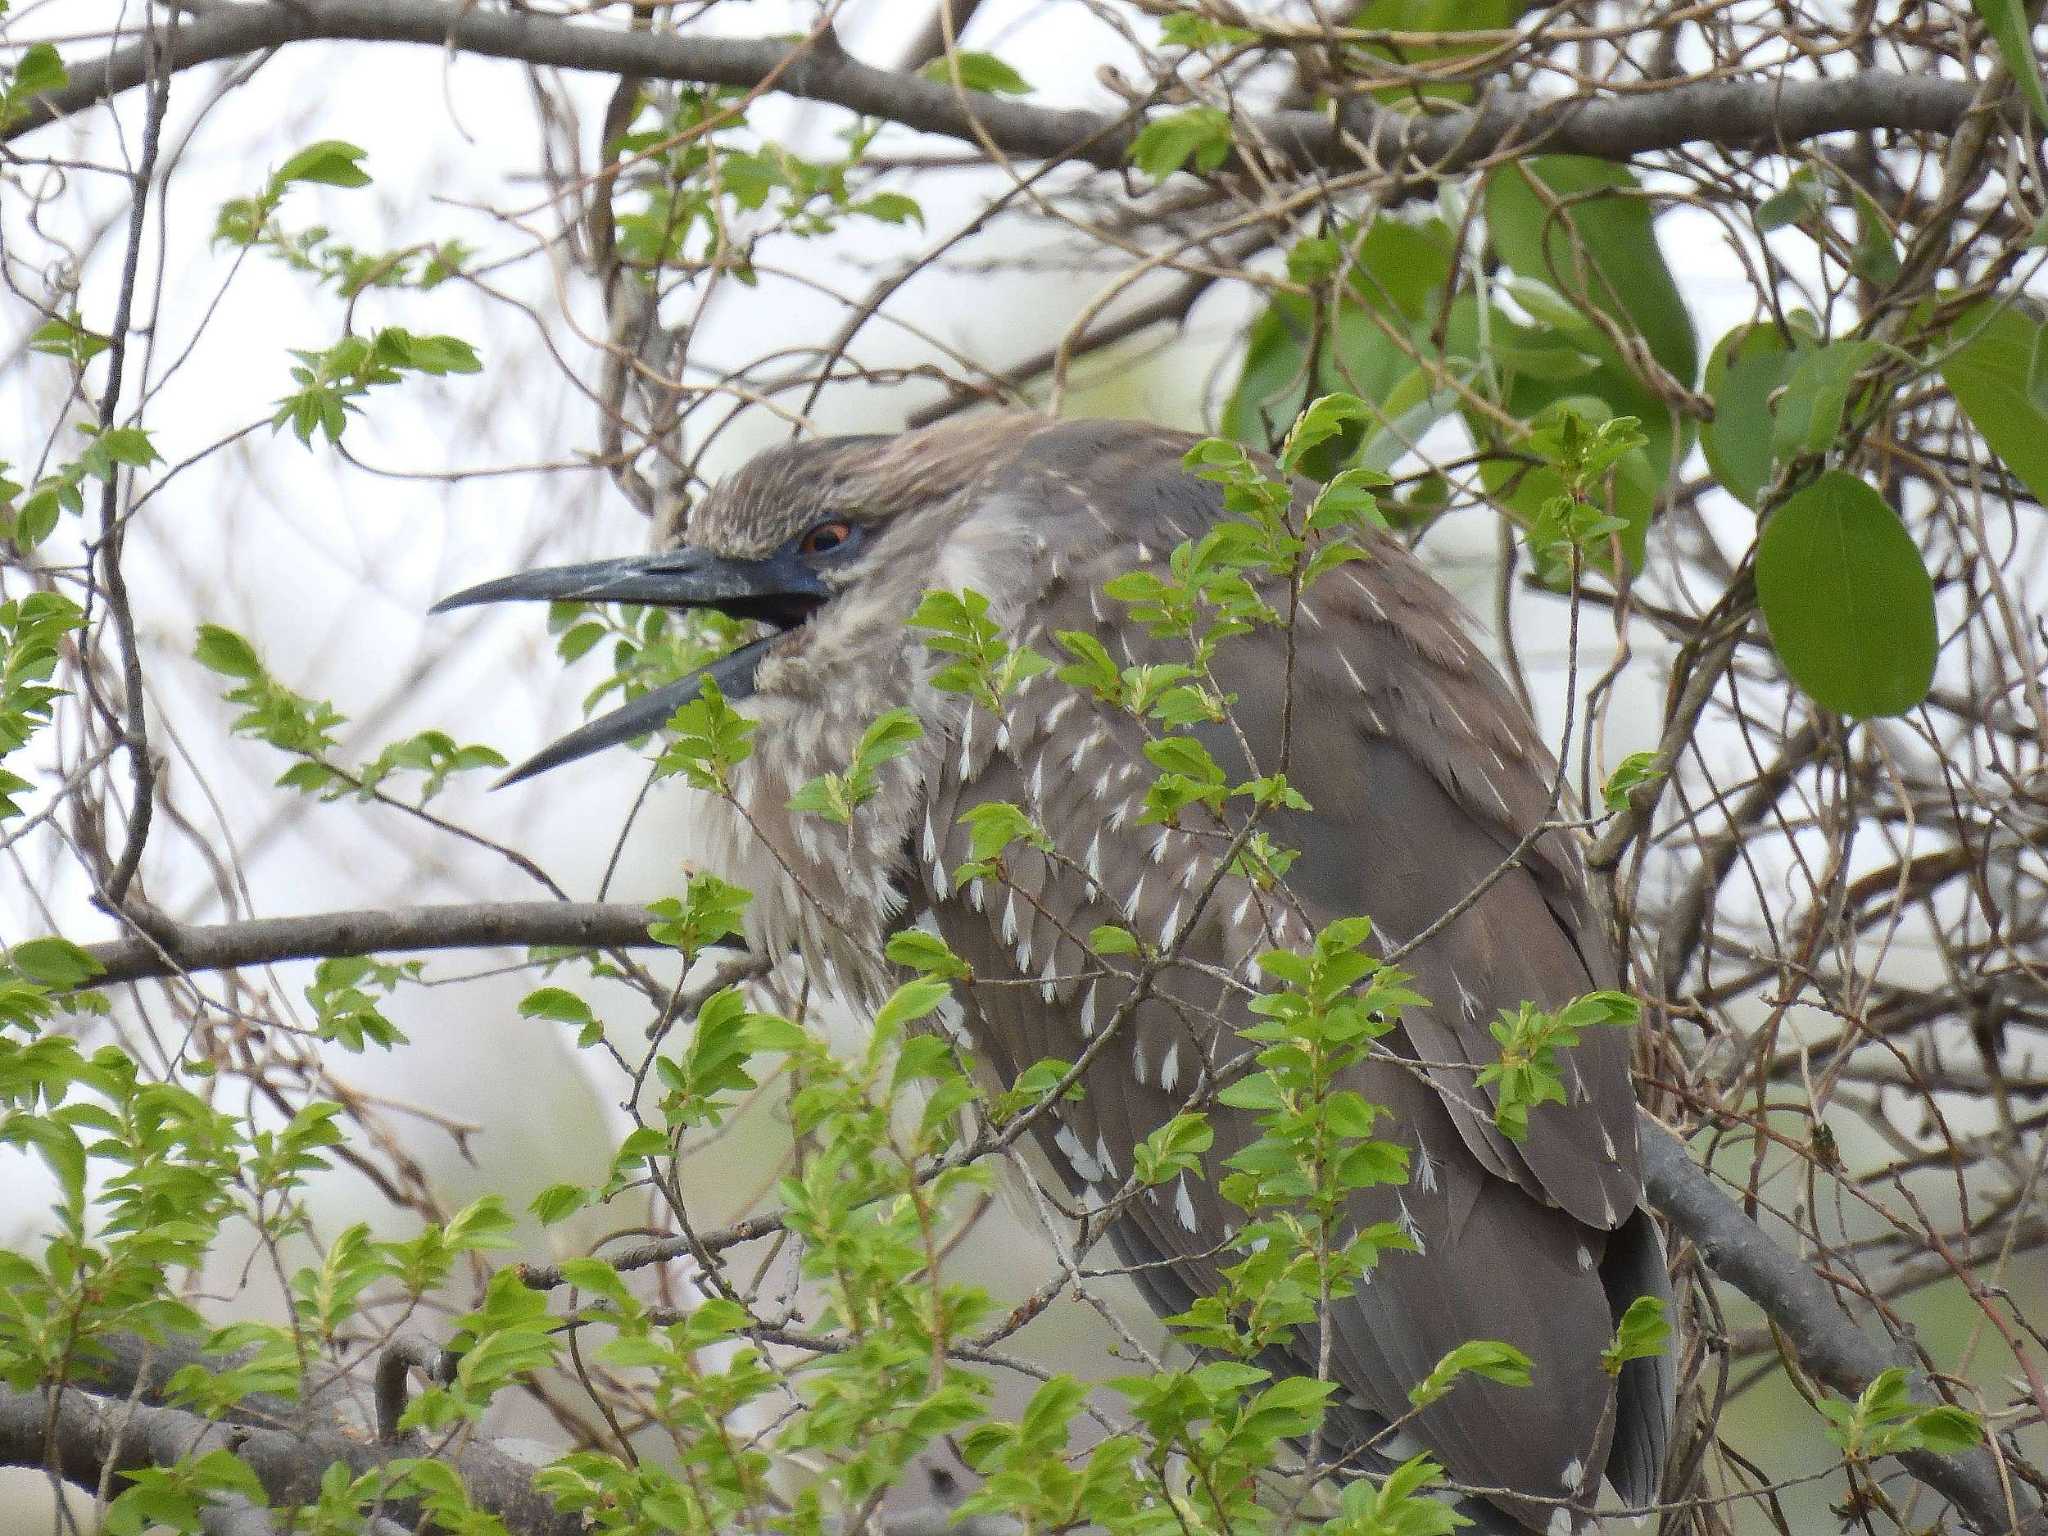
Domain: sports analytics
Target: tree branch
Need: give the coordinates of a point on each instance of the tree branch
(1830, 1345)
(1759, 112)
(113, 536)
(174, 948)
(93, 1434)
(113, 1419)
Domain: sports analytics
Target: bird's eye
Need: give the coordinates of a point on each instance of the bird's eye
(826, 537)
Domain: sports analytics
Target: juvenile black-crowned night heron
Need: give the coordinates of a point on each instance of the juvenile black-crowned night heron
(1423, 774)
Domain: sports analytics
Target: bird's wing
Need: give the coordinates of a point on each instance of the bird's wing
(1423, 775)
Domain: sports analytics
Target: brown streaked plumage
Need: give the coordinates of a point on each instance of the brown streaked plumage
(1423, 773)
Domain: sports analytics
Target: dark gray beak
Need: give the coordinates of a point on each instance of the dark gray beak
(780, 590)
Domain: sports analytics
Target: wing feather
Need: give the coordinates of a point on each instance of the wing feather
(1423, 775)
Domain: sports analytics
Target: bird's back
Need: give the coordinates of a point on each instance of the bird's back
(1423, 775)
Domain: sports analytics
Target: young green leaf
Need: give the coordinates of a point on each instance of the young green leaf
(39, 69)
(1477, 1357)
(1166, 143)
(1885, 1420)
(331, 162)
(926, 953)
(1324, 419)
(1642, 1334)
(978, 72)
(1630, 774)
(56, 963)
(711, 739)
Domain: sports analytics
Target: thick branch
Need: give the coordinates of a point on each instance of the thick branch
(113, 1419)
(1830, 1345)
(173, 948)
(1724, 112)
(92, 1434)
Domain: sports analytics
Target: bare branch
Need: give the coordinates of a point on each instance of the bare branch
(1724, 112)
(173, 948)
(94, 1435)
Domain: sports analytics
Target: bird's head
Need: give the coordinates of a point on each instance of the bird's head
(827, 542)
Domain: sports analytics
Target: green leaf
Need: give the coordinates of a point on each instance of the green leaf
(67, 336)
(1528, 1073)
(978, 72)
(911, 1001)
(709, 911)
(1399, 1506)
(40, 68)
(1184, 31)
(1348, 502)
(1037, 1081)
(1414, 405)
(120, 445)
(341, 998)
(1613, 1010)
(1314, 260)
(889, 208)
(1802, 198)
(989, 667)
(437, 355)
(1165, 144)
(1989, 374)
(557, 1004)
(224, 651)
(1091, 669)
(1620, 505)
(717, 1060)
(1948, 1430)
(1399, 272)
(925, 953)
(1875, 256)
(823, 796)
(331, 162)
(1637, 769)
(1174, 1148)
(711, 740)
(1641, 1334)
(1885, 1420)
(992, 827)
(1325, 418)
(1847, 598)
(646, 1141)
(32, 629)
(1598, 248)
(1478, 1357)
(54, 962)
(557, 1202)
(1746, 368)
(2012, 31)
(484, 1223)
(1809, 415)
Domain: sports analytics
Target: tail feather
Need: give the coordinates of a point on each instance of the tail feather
(1634, 1266)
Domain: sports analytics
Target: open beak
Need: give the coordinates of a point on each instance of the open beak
(780, 590)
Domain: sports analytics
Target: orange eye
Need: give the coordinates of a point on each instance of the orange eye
(826, 537)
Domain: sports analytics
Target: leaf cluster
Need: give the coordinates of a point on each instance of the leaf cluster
(305, 729)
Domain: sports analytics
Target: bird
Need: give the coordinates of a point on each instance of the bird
(1422, 780)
